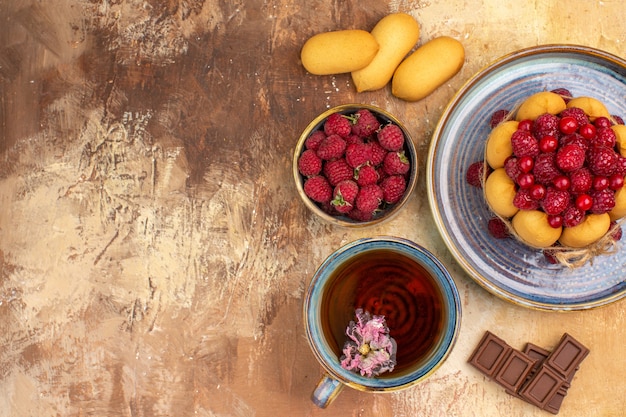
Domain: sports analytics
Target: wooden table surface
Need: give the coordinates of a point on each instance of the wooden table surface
(153, 251)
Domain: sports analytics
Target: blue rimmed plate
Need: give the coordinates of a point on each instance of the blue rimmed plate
(506, 267)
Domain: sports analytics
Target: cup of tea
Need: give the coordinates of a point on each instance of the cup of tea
(386, 277)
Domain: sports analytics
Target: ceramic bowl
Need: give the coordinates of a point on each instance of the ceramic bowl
(386, 211)
(506, 267)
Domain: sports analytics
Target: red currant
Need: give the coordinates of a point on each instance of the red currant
(616, 181)
(568, 125)
(587, 131)
(584, 202)
(600, 183)
(548, 144)
(561, 182)
(526, 180)
(537, 192)
(602, 122)
(526, 163)
(525, 124)
(555, 220)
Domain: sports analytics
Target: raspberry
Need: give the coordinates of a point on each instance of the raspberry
(475, 173)
(580, 180)
(617, 119)
(604, 137)
(378, 153)
(314, 140)
(575, 139)
(354, 139)
(545, 125)
(337, 170)
(337, 124)
(344, 195)
(524, 201)
(577, 113)
(550, 256)
(602, 161)
(309, 163)
(393, 188)
(573, 216)
(391, 137)
(498, 117)
(332, 147)
(511, 167)
(524, 144)
(564, 93)
(365, 123)
(555, 201)
(318, 189)
(620, 167)
(570, 157)
(545, 169)
(358, 154)
(361, 216)
(366, 175)
(369, 197)
(380, 170)
(396, 163)
(497, 228)
(603, 201)
(616, 232)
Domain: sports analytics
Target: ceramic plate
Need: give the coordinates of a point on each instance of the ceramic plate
(505, 267)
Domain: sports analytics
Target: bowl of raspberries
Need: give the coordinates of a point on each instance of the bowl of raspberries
(355, 165)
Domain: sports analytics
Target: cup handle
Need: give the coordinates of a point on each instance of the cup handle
(326, 391)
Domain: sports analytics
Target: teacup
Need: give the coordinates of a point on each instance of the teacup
(390, 277)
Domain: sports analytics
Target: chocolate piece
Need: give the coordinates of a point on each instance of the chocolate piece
(490, 354)
(566, 357)
(554, 405)
(536, 352)
(514, 370)
(542, 387)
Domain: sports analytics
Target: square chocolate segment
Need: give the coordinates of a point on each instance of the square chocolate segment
(566, 357)
(554, 405)
(514, 370)
(542, 387)
(490, 354)
(536, 352)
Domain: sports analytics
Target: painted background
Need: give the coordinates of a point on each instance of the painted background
(153, 250)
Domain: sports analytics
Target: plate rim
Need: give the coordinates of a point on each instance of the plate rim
(475, 275)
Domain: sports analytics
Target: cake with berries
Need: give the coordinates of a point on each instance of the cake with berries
(553, 175)
(355, 165)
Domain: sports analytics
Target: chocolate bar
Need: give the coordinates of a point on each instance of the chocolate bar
(536, 375)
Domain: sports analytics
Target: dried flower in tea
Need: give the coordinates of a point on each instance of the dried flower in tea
(369, 349)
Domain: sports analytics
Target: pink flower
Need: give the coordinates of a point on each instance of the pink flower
(369, 349)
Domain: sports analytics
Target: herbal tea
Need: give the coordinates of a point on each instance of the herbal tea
(387, 283)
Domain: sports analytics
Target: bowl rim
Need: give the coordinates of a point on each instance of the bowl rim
(344, 221)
